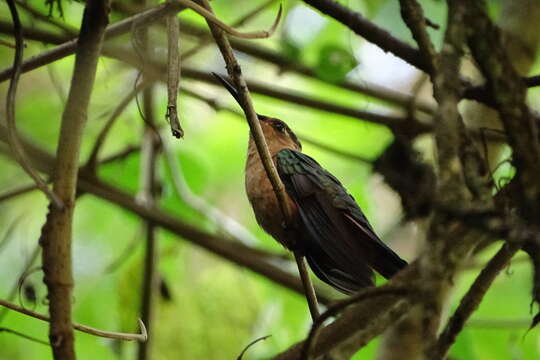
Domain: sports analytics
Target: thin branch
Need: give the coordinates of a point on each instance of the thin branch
(235, 72)
(371, 32)
(224, 223)
(68, 48)
(337, 308)
(262, 338)
(257, 87)
(83, 328)
(13, 139)
(469, 303)
(146, 196)
(18, 191)
(123, 255)
(173, 75)
(24, 274)
(204, 41)
(67, 29)
(304, 139)
(509, 95)
(413, 15)
(100, 140)
(211, 18)
(232, 251)
(7, 44)
(157, 70)
(24, 336)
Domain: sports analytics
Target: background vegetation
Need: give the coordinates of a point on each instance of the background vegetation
(210, 308)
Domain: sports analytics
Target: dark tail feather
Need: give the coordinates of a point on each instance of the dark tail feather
(380, 257)
(327, 271)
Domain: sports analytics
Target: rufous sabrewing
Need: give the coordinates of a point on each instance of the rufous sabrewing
(328, 227)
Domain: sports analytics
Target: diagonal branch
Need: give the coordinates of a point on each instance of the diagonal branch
(413, 15)
(371, 32)
(469, 303)
(235, 72)
(232, 251)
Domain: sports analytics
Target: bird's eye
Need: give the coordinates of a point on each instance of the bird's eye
(279, 126)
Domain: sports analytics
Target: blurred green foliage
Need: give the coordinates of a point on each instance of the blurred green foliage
(216, 308)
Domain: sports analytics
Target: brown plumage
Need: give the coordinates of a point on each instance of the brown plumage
(258, 187)
(327, 226)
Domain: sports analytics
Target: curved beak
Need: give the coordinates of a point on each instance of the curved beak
(231, 88)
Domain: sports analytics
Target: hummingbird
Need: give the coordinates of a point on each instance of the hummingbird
(327, 226)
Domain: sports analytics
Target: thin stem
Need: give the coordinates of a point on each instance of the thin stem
(24, 336)
(469, 303)
(102, 136)
(211, 18)
(232, 251)
(235, 72)
(204, 41)
(173, 75)
(83, 328)
(309, 291)
(13, 139)
(147, 198)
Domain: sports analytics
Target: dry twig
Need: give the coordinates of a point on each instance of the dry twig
(57, 232)
(13, 139)
(173, 75)
(83, 328)
(235, 72)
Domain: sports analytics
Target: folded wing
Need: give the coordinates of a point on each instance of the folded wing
(339, 243)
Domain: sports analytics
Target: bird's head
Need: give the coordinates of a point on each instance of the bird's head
(277, 133)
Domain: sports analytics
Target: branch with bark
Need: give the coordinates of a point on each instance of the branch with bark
(56, 233)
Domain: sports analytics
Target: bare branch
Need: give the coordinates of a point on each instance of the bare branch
(68, 48)
(262, 338)
(57, 231)
(83, 328)
(224, 223)
(173, 75)
(18, 191)
(413, 15)
(146, 196)
(509, 93)
(235, 252)
(211, 18)
(24, 336)
(204, 41)
(371, 32)
(102, 136)
(13, 139)
(469, 303)
(235, 72)
(342, 305)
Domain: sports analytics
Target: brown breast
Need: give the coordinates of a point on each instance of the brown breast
(264, 202)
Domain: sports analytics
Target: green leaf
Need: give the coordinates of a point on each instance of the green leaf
(334, 63)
